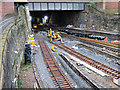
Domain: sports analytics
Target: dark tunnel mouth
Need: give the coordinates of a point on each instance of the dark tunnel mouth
(60, 18)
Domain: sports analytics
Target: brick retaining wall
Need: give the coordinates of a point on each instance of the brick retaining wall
(112, 5)
(0, 9)
(6, 8)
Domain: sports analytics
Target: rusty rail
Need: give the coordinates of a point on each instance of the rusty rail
(96, 64)
(100, 42)
(58, 76)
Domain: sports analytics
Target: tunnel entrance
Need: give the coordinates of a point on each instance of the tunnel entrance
(57, 18)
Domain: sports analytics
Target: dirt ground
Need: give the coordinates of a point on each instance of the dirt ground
(27, 76)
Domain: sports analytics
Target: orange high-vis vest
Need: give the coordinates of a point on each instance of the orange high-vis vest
(106, 39)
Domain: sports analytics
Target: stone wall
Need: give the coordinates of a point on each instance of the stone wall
(14, 38)
(100, 18)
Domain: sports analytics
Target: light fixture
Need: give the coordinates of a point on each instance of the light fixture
(45, 17)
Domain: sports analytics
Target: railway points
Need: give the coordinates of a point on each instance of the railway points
(110, 72)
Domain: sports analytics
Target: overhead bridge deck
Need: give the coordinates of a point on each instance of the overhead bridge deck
(44, 6)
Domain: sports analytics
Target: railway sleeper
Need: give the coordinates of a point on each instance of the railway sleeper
(102, 68)
(60, 78)
(63, 83)
(65, 86)
(53, 68)
(50, 62)
(52, 65)
(57, 75)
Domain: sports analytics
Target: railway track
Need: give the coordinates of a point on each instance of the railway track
(111, 49)
(96, 64)
(58, 76)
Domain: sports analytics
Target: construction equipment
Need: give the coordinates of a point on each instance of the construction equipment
(53, 36)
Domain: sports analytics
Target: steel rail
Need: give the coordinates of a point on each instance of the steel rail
(96, 64)
(112, 49)
(100, 42)
(58, 76)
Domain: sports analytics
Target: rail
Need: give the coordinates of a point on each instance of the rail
(58, 76)
(96, 64)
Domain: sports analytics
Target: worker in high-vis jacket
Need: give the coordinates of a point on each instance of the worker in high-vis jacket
(58, 37)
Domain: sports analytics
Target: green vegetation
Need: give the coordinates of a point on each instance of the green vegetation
(14, 62)
(24, 69)
(22, 59)
(23, 26)
(111, 11)
(93, 4)
(19, 82)
(29, 66)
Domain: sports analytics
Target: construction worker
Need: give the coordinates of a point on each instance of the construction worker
(51, 37)
(57, 34)
(59, 38)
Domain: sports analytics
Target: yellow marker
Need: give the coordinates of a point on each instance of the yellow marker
(53, 48)
(28, 42)
(33, 43)
(32, 38)
(29, 38)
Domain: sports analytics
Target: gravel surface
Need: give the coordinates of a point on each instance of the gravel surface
(93, 55)
(101, 81)
(42, 70)
(77, 81)
(27, 76)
